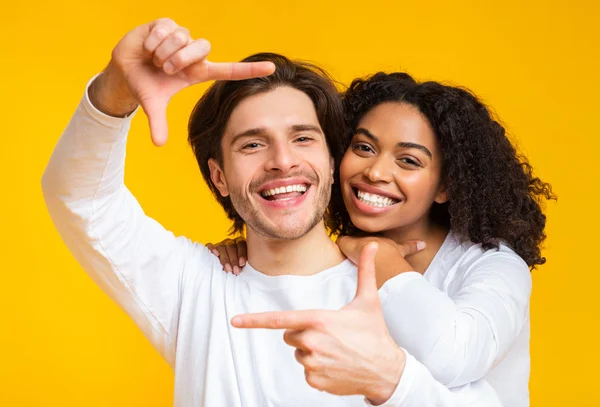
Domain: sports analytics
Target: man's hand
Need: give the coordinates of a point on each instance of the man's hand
(343, 352)
(155, 61)
(390, 260)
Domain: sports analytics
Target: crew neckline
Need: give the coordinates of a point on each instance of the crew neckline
(249, 273)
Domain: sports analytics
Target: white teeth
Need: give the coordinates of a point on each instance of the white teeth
(376, 200)
(284, 190)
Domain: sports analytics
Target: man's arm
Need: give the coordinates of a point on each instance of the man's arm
(132, 257)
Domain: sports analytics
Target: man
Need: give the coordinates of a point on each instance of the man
(268, 147)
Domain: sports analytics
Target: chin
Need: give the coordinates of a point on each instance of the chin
(284, 229)
(367, 225)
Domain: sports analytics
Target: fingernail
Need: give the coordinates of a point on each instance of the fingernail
(236, 270)
(420, 245)
(242, 261)
(228, 268)
(236, 321)
(168, 67)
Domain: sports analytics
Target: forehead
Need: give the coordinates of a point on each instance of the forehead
(395, 122)
(275, 110)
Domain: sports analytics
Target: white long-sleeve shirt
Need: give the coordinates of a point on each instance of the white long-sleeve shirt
(177, 293)
(466, 318)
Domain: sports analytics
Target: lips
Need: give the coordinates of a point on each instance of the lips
(372, 200)
(284, 193)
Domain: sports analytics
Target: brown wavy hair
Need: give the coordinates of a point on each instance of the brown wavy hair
(210, 115)
(493, 195)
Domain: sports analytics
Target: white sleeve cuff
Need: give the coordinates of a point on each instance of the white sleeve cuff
(103, 118)
(403, 389)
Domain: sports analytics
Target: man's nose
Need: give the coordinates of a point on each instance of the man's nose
(283, 157)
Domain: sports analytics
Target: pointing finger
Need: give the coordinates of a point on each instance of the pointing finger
(237, 70)
(278, 320)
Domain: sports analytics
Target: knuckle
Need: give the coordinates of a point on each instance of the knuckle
(313, 380)
(310, 364)
(180, 37)
(289, 336)
(177, 60)
(319, 322)
(204, 44)
(276, 321)
(161, 32)
(165, 21)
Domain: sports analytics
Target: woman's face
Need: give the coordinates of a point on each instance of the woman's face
(390, 174)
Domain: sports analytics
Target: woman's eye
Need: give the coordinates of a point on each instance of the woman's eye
(363, 148)
(410, 161)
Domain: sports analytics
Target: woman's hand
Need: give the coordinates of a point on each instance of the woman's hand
(231, 253)
(391, 256)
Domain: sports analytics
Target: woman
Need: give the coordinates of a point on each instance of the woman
(427, 162)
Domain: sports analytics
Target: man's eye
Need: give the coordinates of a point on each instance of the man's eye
(250, 146)
(303, 139)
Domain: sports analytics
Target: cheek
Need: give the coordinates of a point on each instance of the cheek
(418, 185)
(240, 171)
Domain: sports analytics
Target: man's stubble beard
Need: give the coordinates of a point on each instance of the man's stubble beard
(256, 221)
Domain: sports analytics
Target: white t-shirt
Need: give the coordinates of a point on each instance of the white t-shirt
(176, 292)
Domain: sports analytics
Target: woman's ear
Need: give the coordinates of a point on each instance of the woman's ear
(217, 176)
(442, 196)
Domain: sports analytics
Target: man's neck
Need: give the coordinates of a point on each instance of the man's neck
(309, 254)
(432, 234)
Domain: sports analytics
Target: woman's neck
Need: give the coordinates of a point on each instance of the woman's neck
(431, 233)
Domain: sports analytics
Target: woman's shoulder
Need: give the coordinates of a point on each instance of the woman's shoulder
(464, 259)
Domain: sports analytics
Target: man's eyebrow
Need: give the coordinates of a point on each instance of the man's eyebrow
(296, 128)
(249, 133)
(402, 144)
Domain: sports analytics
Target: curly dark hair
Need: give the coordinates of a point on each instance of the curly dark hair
(210, 115)
(493, 195)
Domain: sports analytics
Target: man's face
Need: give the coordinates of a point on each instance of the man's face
(276, 165)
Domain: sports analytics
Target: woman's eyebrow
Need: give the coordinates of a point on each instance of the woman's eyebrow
(402, 144)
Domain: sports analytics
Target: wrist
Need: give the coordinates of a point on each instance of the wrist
(390, 376)
(110, 94)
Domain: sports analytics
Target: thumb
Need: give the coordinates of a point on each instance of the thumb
(156, 110)
(367, 282)
(411, 247)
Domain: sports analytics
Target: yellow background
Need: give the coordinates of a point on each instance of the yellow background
(63, 343)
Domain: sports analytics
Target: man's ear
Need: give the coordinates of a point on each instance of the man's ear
(217, 176)
(332, 166)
